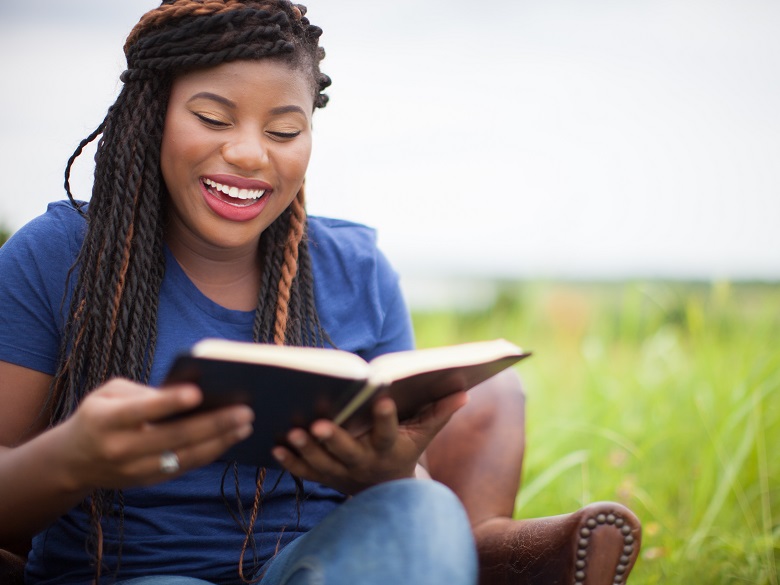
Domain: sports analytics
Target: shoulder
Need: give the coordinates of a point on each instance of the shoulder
(356, 288)
(44, 249)
(348, 250)
(60, 230)
(340, 236)
(35, 268)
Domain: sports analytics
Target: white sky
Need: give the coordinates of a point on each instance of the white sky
(584, 138)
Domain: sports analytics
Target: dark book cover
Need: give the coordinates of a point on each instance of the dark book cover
(281, 398)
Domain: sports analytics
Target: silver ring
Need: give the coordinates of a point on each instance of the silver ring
(169, 462)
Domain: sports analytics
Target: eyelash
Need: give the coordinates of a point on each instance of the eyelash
(285, 134)
(210, 121)
(218, 124)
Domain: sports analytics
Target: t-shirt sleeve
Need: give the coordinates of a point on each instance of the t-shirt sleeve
(396, 333)
(359, 299)
(34, 266)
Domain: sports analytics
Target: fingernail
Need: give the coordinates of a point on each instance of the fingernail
(279, 454)
(244, 432)
(297, 438)
(247, 414)
(322, 431)
(385, 408)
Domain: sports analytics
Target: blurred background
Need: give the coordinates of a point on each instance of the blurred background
(596, 181)
(558, 139)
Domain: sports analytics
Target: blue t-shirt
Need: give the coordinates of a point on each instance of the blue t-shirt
(183, 526)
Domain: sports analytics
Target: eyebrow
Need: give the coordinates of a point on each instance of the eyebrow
(214, 97)
(278, 111)
(287, 110)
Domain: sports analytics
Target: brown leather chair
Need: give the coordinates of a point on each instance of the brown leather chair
(479, 455)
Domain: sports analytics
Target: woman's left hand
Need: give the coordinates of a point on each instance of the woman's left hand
(328, 454)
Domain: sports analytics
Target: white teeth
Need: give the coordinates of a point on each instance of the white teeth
(235, 192)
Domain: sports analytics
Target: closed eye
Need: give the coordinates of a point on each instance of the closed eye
(285, 135)
(211, 121)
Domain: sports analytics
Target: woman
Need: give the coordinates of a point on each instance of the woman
(196, 228)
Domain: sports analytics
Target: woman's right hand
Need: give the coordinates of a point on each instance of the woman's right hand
(118, 434)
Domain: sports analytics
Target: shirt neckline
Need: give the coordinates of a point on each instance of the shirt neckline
(183, 283)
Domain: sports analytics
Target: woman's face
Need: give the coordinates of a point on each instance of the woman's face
(235, 149)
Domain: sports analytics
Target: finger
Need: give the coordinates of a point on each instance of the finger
(205, 452)
(200, 428)
(297, 466)
(339, 443)
(314, 454)
(434, 418)
(132, 404)
(294, 464)
(172, 400)
(137, 451)
(385, 430)
(155, 467)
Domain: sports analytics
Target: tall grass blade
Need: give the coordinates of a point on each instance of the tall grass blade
(544, 479)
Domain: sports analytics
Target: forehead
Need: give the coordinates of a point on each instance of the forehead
(266, 79)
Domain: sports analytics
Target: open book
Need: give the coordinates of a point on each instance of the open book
(294, 386)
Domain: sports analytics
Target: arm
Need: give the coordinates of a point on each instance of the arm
(28, 420)
(113, 440)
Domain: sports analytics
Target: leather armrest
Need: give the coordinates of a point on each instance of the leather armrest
(597, 545)
(11, 568)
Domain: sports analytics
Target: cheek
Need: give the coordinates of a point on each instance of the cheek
(297, 162)
(168, 155)
(181, 150)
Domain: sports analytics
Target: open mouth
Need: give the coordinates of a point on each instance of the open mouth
(233, 195)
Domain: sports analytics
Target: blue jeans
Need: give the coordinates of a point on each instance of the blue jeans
(407, 531)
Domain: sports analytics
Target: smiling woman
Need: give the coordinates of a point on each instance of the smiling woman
(197, 228)
(239, 129)
(235, 148)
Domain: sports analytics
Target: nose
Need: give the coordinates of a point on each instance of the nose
(245, 150)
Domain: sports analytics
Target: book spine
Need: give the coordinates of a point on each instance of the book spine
(363, 395)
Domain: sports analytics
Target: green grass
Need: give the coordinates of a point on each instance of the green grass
(662, 396)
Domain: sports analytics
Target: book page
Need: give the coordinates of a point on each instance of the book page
(395, 366)
(330, 362)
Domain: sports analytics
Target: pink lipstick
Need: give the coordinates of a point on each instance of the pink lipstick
(235, 198)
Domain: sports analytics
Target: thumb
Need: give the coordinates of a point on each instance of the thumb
(442, 410)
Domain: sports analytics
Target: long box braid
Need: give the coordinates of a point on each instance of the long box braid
(112, 328)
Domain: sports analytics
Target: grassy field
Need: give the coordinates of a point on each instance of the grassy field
(662, 396)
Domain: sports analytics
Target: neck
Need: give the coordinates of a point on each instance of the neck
(230, 278)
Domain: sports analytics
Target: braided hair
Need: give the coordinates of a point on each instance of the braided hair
(112, 329)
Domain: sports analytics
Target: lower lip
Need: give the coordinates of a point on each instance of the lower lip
(234, 212)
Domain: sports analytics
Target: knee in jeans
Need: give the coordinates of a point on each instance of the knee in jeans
(432, 509)
(306, 571)
(406, 531)
(432, 497)
(438, 534)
